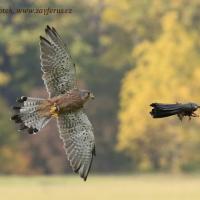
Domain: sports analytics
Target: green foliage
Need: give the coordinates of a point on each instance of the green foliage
(4, 78)
(154, 45)
(11, 159)
(7, 135)
(98, 65)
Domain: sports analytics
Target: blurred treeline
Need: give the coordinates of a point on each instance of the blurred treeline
(129, 53)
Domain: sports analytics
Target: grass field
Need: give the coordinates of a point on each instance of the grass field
(140, 187)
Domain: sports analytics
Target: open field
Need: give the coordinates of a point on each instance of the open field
(140, 187)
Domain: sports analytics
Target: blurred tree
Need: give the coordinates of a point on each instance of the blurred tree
(100, 36)
(95, 65)
(4, 78)
(166, 71)
(11, 158)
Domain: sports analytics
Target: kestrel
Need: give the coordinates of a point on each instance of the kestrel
(65, 103)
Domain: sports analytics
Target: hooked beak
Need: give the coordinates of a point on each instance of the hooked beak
(92, 96)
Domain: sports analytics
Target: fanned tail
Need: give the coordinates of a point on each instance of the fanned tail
(27, 114)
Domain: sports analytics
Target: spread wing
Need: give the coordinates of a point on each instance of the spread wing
(59, 71)
(77, 134)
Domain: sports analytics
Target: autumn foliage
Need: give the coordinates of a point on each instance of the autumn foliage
(130, 54)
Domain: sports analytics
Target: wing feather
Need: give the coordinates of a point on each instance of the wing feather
(59, 72)
(77, 134)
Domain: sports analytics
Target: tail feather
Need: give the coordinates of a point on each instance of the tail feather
(27, 116)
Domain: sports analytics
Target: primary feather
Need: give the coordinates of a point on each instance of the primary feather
(58, 68)
(77, 134)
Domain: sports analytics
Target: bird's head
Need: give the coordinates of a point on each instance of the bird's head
(86, 95)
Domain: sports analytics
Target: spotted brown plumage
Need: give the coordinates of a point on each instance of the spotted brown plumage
(65, 102)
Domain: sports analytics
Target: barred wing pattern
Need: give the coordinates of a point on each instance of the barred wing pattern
(77, 134)
(59, 71)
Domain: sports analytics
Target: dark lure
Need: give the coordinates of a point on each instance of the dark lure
(161, 110)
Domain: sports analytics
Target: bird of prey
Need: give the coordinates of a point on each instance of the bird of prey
(65, 103)
(161, 110)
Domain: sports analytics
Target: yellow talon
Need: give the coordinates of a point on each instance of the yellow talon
(53, 110)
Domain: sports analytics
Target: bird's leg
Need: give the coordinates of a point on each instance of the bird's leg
(54, 110)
